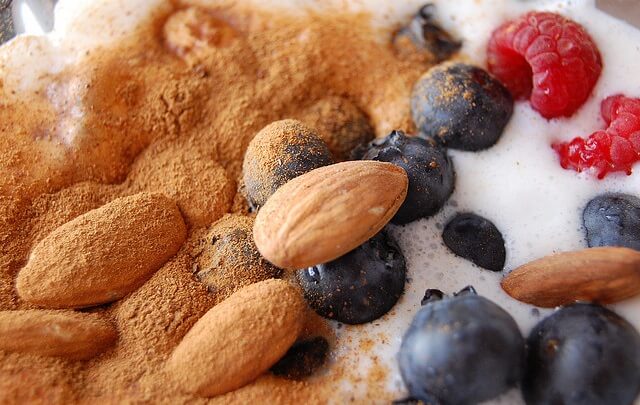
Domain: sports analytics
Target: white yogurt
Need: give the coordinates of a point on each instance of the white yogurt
(518, 184)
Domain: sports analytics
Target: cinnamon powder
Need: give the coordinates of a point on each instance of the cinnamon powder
(172, 110)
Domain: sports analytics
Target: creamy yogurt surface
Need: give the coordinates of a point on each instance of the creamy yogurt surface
(518, 184)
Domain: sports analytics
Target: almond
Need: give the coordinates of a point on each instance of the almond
(104, 254)
(328, 212)
(72, 335)
(605, 275)
(239, 339)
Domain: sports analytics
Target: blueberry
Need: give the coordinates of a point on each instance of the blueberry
(302, 359)
(424, 34)
(582, 354)
(476, 239)
(280, 152)
(461, 106)
(340, 123)
(430, 171)
(613, 220)
(461, 350)
(228, 259)
(360, 286)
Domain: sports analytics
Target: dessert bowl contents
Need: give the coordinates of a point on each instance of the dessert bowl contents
(197, 182)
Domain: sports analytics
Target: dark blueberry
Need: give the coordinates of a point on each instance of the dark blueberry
(431, 295)
(425, 34)
(302, 359)
(582, 354)
(430, 172)
(340, 123)
(280, 152)
(461, 350)
(461, 106)
(613, 220)
(476, 239)
(228, 259)
(409, 401)
(360, 286)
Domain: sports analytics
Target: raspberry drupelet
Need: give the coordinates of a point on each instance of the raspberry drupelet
(546, 58)
(614, 149)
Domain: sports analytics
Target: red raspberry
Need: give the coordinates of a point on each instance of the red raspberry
(547, 58)
(615, 149)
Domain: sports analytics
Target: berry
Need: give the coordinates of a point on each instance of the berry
(614, 149)
(582, 354)
(360, 286)
(430, 172)
(302, 359)
(476, 239)
(547, 58)
(425, 35)
(229, 259)
(280, 152)
(340, 123)
(613, 220)
(461, 106)
(461, 350)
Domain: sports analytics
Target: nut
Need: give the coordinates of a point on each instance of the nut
(605, 275)
(239, 339)
(72, 335)
(328, 212)
(104, 254)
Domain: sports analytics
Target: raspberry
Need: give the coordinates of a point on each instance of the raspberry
(615, 149)
(547, 58)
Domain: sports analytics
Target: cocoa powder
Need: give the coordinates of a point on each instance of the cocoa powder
(172, 110)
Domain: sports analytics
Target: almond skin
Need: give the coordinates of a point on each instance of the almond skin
(67, 334)
(239, 339)
(104, 254)
(605, 275)
(328, 212)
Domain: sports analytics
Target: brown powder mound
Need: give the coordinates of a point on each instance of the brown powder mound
(227, 258)
(191, 32)
(199, 186)
(29, 379)
(281, 151)
(201, 85)
(104, 254)
(278, 391)
(66, 334)
(340, 124)
(54, 210)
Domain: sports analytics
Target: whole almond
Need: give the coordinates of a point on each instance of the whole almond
(72, 335)
(239, 339)
(605, 275)
(328, 212)
(104, 254)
